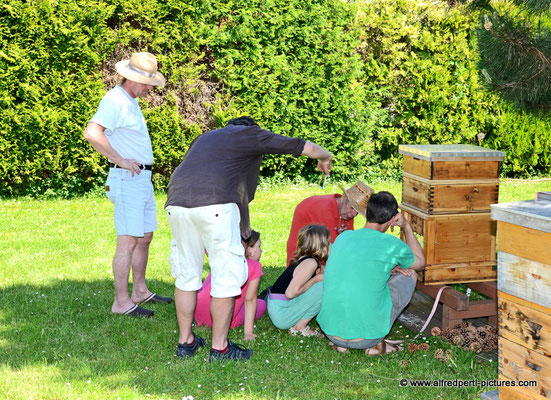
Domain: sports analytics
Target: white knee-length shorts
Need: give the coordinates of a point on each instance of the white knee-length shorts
(213, 228)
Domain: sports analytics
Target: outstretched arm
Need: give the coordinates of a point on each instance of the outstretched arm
(317, 152)
(95, 134)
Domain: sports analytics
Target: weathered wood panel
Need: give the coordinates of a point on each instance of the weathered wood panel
(524, 323)
(524, 278)
(455, 273)
(416, 193)
(517, 393)
(459, 240)
(524, 242)
(463, 198)
(519, 363)
(465, 169)
(533, 214)
(417, 167)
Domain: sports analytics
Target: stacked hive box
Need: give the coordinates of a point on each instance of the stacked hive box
(447, 191)
(524, 296)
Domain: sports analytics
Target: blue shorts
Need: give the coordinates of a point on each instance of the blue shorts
(135, 208)
(286, 313)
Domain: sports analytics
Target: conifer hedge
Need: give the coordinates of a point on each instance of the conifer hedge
(359, 78)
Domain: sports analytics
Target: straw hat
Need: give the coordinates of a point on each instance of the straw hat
(141, 68)
(358, 195)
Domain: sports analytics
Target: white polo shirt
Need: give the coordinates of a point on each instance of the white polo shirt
(125, 126)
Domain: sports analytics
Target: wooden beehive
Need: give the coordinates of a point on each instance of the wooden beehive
(457, 247)
(440, 179)
(447, 191)
(524, 295)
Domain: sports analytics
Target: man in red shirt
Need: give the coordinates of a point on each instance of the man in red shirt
(334, 211)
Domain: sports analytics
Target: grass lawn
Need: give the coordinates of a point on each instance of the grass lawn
(59, 340)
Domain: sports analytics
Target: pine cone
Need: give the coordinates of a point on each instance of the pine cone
(412, 347)
(436, 331)
(475, 346)
(439, 354)
(423, 347)
(458, 340)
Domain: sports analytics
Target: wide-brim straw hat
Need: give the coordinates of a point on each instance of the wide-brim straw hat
(141, 68)
(358, 195)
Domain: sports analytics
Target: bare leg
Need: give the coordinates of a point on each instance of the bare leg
(186, 301)
(221, 310)
(300, 325)
(121, 269)
(139, 264)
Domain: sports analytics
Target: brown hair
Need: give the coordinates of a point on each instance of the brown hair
(313, 241)
(253, 239)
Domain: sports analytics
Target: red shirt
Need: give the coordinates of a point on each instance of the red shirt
(320, 210)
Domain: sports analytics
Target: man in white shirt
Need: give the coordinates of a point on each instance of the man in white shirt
(119, 132)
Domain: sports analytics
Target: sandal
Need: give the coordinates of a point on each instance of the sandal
(306, 332)
(384, 347)
(338, 349)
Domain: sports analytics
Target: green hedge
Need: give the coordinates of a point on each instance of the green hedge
(357, 78)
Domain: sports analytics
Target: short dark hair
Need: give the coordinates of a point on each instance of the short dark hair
(246, 121)
(253, 239)
(381, 207)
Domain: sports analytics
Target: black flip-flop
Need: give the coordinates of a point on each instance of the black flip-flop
(155, 298)
(138, 311)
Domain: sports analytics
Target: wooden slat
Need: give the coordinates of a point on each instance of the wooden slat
(519, 363)
(465, 169)
(463, 198)
(476, 309)
(428, 244)
(524, 242)
(449, 296)
(460, 273)
(415, 193)
(488, 289)
(463, 240)
(417, 166)
(524, 278)
(517, 393)
(524, 325)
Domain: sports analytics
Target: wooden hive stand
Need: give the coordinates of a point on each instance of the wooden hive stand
(447, 191)
(524, 296)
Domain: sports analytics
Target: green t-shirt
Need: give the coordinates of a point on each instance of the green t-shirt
(356, 302)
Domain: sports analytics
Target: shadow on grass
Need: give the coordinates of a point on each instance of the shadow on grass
(67, 325)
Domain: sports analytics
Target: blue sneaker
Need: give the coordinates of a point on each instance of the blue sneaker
(186, 350)
(235, 352)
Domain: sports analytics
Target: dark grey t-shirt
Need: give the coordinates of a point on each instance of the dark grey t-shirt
(222, 166)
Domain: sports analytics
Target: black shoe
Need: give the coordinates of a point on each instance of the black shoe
(186, 350)
(235, 352)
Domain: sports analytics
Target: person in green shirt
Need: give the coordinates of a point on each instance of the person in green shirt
(369, 279)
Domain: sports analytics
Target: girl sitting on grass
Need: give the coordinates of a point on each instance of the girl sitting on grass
(295, 297)
(247, 307)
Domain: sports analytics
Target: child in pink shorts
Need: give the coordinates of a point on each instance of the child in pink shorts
(247, 307)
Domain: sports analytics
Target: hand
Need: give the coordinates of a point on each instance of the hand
(324, 165)
(398, 220)
(400, 270)
(249, 336)
(130, 164)
(341, 229)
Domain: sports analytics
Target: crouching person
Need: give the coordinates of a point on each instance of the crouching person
(369, 279)
(295, 297)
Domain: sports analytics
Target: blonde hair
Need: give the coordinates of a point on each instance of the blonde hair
(313, 241)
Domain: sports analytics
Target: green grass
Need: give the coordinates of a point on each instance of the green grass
(58, 339)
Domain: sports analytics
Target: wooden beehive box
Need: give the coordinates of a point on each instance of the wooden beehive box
(457, 247)
(524, 295)
(440, 179)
